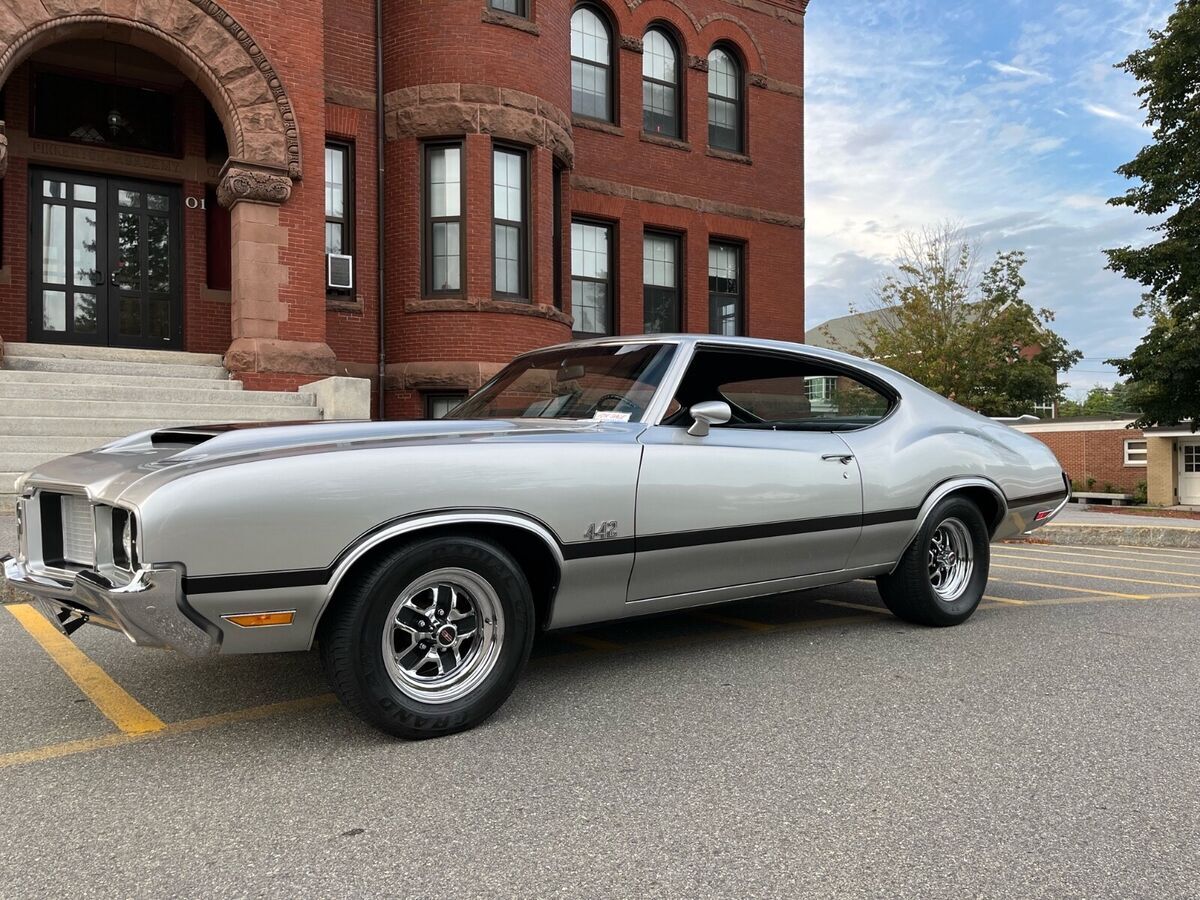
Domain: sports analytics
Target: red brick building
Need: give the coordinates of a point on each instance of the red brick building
(205, 176)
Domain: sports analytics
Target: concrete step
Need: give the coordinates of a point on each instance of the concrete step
(180, 392)
(29, 376)
(8, 500)
(177, 412)
(112, 354)
(106, 429)
(108, 367)
(24, 443)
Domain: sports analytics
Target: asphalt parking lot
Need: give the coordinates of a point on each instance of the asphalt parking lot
(805, 745)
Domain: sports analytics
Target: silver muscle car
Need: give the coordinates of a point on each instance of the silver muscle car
(585, 482)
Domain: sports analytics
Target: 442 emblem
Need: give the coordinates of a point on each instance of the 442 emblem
(601, 531)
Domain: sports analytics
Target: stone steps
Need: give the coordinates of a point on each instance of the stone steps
(30, 376)
(112, 354)
(56, 400)
(16, 391)
(111, 367)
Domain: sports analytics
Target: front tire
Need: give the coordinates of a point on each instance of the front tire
(430, 638)
(942, 575)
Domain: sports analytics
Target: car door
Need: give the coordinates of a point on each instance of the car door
(774, 494)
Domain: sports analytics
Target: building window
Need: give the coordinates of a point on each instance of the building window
(1191, 458)
(660, 84)
(591, 278)
(1135, 453)
(725, 288)
(438, 403)
(660, 283)
(339, 199)
(105, 114)
(510, 230)
(591, 65)
(513, 7)
(724, 101)
(443, 218)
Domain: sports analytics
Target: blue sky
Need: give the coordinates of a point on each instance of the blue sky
(1006, 117)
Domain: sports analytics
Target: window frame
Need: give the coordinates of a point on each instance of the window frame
(611, 281)
(524, 290)
(681, 417)
(428, 220)
(523, 8)
(675, 44)
(677, 239)
(1136, 461)
(739, 102)
(740, 297)
(429, 397)
(347, 217)
(610, 68)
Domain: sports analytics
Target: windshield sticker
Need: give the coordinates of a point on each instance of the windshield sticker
(607, 415)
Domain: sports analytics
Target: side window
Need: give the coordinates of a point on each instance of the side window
(778, 391)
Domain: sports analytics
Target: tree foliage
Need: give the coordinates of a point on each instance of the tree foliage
(1120, 399)
(970, 336)
(1166, 364)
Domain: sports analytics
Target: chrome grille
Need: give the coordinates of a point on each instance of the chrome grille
(78, 530)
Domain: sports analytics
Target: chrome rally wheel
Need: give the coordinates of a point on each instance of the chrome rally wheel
(443, 635)
(950, 559)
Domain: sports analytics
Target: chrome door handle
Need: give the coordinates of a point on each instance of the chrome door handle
(843, 458)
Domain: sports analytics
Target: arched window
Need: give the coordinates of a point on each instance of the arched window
(724, 101)
(660, 84)
(591, 65)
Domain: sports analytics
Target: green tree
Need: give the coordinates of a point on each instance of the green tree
(1102, 401)
(968, 336)
(1165, 366)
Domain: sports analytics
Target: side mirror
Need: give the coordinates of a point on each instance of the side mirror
(711, 412)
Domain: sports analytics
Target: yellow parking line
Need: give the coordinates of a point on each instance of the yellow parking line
(1084, 562)
(1006, 600)
(845, 604)
(1188, 551)
(1074, 590)
(70, 748)
(732, 620)
(1090, 575)
(1116, 554)
(110, 698)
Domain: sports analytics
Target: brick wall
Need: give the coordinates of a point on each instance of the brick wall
(1096, 454)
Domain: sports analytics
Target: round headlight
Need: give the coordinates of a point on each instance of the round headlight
(127, 539)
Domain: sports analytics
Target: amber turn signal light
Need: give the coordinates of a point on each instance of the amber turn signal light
(257, 620)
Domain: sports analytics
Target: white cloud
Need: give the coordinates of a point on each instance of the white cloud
(893, 146)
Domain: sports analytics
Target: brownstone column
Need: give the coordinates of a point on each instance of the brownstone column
(253, 195)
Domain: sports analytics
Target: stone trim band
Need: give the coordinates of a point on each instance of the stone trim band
(683, 201)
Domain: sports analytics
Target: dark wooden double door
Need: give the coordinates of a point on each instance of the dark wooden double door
(104, 261)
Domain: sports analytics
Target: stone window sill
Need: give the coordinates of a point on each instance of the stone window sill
(674, 143)
(717, 153)
(597, 125)
(508, 20)
(343, 303)
(212, 295)
(459, 304)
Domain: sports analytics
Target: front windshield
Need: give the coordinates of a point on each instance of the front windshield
(612, 382)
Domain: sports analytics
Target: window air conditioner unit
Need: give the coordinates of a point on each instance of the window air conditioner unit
(340, 270)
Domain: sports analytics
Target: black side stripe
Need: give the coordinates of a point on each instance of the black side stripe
(1054, 497)
(256, 581)
(680, 539)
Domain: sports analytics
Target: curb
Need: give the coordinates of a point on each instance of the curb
(1171, 536)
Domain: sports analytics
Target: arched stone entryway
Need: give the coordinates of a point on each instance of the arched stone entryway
(233, 71)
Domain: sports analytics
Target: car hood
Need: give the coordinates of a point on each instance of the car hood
(163, 454)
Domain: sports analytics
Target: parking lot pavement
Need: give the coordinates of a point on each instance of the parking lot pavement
(805, 745)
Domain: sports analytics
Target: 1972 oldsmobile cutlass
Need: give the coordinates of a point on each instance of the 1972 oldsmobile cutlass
(585, 482)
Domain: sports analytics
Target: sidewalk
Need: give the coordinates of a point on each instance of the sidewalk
(1078, 525)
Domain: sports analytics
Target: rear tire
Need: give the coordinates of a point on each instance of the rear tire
(430, 638)
(942, 575)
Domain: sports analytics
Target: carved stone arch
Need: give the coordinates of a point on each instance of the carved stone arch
(203, 41)
(691, 17)
(745, 30)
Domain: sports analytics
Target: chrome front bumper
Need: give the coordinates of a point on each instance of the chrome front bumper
(150, 610)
